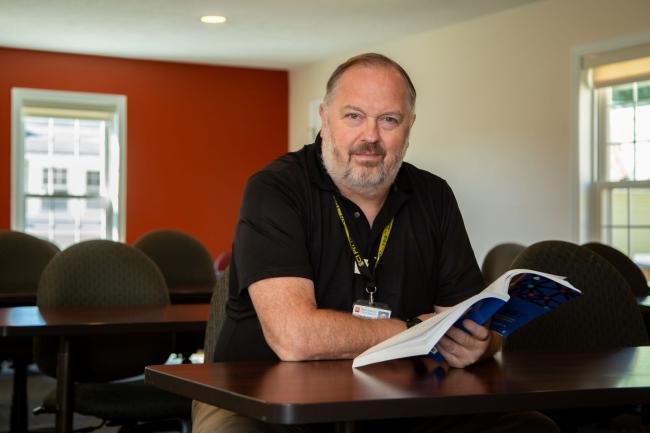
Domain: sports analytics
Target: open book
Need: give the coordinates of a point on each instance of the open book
(512, 300)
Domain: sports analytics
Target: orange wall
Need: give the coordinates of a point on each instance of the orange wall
(194, 133)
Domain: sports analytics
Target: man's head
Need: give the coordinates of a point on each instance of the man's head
(366, 115)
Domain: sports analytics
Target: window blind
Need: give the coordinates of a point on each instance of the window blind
(620, 66)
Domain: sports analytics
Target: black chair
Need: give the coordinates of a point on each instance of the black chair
(184, 262)
(22, 260)
(217, 315)
(606, 315)
(498, 260)
(183, 259)
(627, 268)
(104, 273)
(594, 320)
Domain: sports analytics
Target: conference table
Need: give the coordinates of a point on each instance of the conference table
(31, 321)
(332, 391)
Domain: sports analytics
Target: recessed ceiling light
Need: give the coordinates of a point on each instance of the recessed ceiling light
(213, 19)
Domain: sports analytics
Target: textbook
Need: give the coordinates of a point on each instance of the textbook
(512, 300)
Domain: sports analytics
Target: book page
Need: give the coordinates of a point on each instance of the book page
(526, 285)
(421, 338)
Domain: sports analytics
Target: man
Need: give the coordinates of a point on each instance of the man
(343, 225)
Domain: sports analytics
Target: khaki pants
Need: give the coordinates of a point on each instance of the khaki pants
(211, 419)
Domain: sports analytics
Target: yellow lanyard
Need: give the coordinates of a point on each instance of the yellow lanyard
(371, 287)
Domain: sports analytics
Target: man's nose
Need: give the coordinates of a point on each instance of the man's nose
(371, 130)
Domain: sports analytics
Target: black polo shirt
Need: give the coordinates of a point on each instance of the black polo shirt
(288, 226)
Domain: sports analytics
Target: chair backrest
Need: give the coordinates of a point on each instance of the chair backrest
(101, 273)
(217, 315)
(605, 316)
(498, 260)
(22, 260)
(183, 260)
(628, 269)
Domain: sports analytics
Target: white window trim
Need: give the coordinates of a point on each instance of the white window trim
(21, 97)
(585, 217)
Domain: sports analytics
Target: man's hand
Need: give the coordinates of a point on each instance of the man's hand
(461, 348)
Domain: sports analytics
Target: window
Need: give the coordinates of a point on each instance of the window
(623, 187)
(60, 180)
(92, 182)
(620, 120)
(68, 165)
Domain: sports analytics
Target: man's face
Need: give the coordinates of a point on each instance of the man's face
(366, 124)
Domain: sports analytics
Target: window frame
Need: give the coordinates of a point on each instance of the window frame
(115, 104)
(583, 208)
(600, 223)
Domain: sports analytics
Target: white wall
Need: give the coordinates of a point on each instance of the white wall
(496, 110)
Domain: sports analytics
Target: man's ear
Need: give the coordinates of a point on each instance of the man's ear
(412, 121)
(322, 111)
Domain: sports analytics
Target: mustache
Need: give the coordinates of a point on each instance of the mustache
(368, 148)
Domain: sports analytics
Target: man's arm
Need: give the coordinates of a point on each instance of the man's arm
(461, 348)
(297, 330)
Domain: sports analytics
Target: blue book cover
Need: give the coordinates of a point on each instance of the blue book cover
(531, 295)
(512, 300)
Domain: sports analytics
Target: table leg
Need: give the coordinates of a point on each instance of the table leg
(64, 388)
(18, 419)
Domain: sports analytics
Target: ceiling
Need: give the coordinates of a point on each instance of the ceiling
(276, 34)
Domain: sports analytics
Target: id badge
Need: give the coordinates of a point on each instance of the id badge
(362, 308)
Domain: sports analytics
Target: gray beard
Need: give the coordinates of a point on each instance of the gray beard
(362, 183)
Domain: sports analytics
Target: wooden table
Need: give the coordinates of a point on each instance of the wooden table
(190, 294)
(17, 299)
(177, 295)
(331, 391)
(68, 322)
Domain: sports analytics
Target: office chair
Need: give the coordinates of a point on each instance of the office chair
(217, 315)
(498, 260)
(22, 260)
(104, 273)
(593, 321)
(627, 268)
(183, 259)
(605, 316)
(184, 262)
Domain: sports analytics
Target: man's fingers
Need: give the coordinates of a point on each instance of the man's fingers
(474, 337)
(447, 344)
(478, 331)
(461, 348)
(453, 359)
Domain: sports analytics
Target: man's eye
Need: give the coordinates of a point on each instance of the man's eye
(390, 119)
(353, 116)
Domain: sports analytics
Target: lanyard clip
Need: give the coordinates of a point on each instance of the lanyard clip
(371, 289)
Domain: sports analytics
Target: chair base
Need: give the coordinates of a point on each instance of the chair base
(156, 410)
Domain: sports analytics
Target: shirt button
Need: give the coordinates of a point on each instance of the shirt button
(357, 214)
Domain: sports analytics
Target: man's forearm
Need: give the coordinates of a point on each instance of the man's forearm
(330, 334)
(296, 329)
